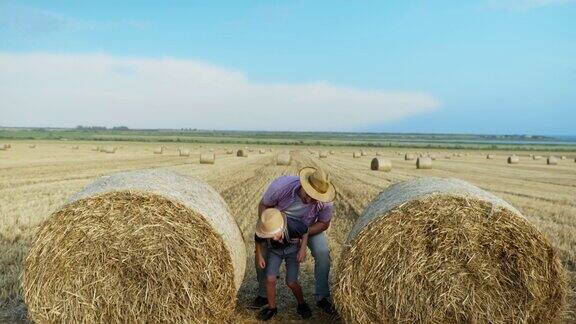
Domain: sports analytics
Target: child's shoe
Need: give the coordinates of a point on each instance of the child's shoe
(267, 313)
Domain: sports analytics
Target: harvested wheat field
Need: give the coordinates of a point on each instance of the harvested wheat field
(35, 184)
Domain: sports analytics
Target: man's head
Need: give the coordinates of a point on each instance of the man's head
(316, 184)
(305, 197)
(271, 224)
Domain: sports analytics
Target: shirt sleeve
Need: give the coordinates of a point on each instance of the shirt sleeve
(274, 193)
(325, 213)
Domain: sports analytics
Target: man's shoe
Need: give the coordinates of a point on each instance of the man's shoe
(267, 313)
(259, 302)
(326, 306)
(304, 310)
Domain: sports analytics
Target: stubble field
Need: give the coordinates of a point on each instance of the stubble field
(36, 181)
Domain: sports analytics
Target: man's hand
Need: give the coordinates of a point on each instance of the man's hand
(261, 262)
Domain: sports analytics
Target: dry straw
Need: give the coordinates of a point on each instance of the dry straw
(409, 156)
(362, 153)
(3, 147)
(436, 250)
(229, 151)
(108, 149)
(207, 158)
(184, 152)
(262, 151)
(536, 157)
(513, 159)
(489, 156)
(322, 154)
(142, 246)
(380, 164)
(241, 153)
(424, 163)
(356, 155)
(32, 146)
(283, 159)
(552, 160)
(159, 150)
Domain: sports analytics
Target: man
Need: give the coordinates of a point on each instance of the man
(307, 197)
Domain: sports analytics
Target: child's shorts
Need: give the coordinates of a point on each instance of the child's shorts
(289, 255)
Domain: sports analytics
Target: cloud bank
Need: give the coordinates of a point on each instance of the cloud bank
(67, 90)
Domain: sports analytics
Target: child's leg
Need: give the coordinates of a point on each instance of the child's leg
(292, 268)
(272, 268)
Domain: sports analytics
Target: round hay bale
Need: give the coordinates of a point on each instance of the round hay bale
(323, 154)
(356, 155)
(241, 153)
(108, 149)
(563, 157)
(513, 159)
(75, 147)
(489, 156)
(362, 152)
(434, 250)
(332, 152)
(159, 150)
(8, 146)
(184, 152)
(409, 156)
(424, 163)
(229, 151)
(95, 148)
(32, 146)
(536, 157)
(380, 164)
(448, 157)
(552, 160)
(141, 246)
(432, 157)
(283, 159)
(262, 151)
(3, 147)
(207, 158)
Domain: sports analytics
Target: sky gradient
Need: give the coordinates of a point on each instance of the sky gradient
(487, 66)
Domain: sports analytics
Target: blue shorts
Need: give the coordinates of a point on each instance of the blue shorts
(289, 255)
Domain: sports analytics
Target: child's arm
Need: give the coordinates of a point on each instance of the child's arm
(260, 262)
(301, 257)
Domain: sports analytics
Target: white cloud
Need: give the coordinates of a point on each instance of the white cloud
(524, 5)
(67, 90)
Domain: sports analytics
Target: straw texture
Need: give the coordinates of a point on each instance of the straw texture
(424, 163)
(207, 158)
(283, 159)
(141, 246)
(241, 153)
(409, 156)
(436, 250)
(513, 159)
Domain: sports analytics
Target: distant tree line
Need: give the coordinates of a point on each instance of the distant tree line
(93, 128)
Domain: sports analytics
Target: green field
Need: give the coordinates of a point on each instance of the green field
(441, 141)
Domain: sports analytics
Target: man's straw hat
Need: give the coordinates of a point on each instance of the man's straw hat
(317, 184)
(270, 223)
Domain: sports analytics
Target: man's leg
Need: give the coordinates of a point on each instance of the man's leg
(318, 245)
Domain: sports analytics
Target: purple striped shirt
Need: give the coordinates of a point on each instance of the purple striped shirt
(283, 194)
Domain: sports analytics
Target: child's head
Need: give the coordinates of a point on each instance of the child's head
(271, 224)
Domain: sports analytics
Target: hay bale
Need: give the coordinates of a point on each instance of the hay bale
(159, 150)
(184, 152)
(448, 157)
(207, 158)
(262, 151)
(434, 250)
(32, 146)
(356, 155)
(141, 246)
(409, 156)
(283, 159)
(8, 146)
(241, 153)
(229, 151)
(362, 152)
(489, 156)
(108, 149)
(380, 164)
(75, 147)
(3, 147)
(536, 157)
(432, 157)
(95, 148)
(424, 163)
(332, 152)
(563, 157)
(322, 154)
(552, 160)
(513, 159)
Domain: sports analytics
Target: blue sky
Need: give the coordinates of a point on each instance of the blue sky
(487, 66)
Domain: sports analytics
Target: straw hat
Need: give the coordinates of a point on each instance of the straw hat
(317, 184)
(270, 223)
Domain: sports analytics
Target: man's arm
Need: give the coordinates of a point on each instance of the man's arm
(318, 228)
(261, 208)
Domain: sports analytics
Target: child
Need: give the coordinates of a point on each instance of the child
(279, 238)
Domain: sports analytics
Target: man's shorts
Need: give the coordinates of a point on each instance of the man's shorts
(289, 255)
